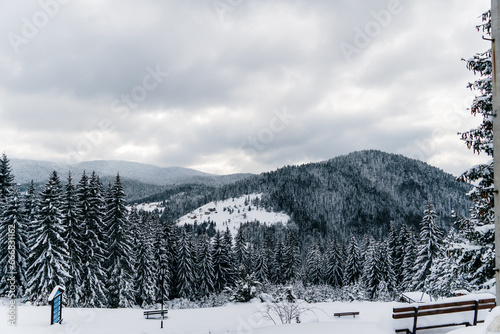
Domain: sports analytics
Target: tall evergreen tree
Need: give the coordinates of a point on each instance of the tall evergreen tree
(408, 251)
(73, 238)
(49, 252)
(445, 277)
(165, 258)
(429, 248)
(185, 266)
(120, 249)
(6, 178)
(353, 266)
(478, 230)
(314, 265)
(378, 270)
(90, 207)
(145, 279)
(241, 252)
(232, 272)
(222, 262)
(13, 234)
(291, 257)
(278, 263)
(261, 268)
(31, 208)
(204, 273)
(334, 264)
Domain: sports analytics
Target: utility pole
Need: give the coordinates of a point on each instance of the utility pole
(495, 33)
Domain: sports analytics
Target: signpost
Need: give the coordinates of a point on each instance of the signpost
(55, 301)
(162, 274)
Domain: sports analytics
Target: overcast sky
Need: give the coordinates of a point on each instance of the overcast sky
(230, 86)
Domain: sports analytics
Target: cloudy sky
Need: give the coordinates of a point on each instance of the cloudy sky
(236, 85)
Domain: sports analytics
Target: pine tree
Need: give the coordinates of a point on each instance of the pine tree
(374, 272)
(164, 254)
(478, 230)
(445, 277)
(261, 268)
(90, 207)
(395, 250)
(241, 253)
(314, 265)
(31, 208)
(185, 266)
(334, 264)
(6, 178)
(353, 266)
(409, 250)
(429, 247)
(49, 253)
(145, 284)
(13, 234)
(120, 258)
(278, 263)
(204, 273)
(222, 263)
(73, 238)
(232, 270)
(291, 257)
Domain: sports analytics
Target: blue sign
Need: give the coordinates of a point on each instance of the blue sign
(55, 300)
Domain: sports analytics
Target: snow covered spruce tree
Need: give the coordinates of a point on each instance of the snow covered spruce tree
(314, 265)
(378, 275)
(291, 257)
(334, 264)
(278, 263)
(408, 252)
(185, 266)
(49, 253)
(120, 255)
(145, 279)
(478, 262)
(165, 243)
(445, 277)
(241, 252)
(6, 178)
(261, 269)
(429, 247)
(73, 238)
(223, 262)
(353, 268)
(90, 207)
(13, 234)
(204, 273)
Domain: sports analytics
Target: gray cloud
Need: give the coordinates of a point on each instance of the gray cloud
(82, 86)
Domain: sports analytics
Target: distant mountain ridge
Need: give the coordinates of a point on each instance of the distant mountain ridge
(361, 192)
(26, 170)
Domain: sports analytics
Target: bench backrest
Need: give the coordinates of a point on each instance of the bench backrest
(443, 308)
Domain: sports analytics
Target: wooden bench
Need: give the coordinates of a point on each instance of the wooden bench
(443, 308)
(155, 312)
(342, 314)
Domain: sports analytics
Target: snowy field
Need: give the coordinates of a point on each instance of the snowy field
(233, 212)
(374, 318)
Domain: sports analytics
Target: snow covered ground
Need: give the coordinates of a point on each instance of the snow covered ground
(233, 212)
(374, 318)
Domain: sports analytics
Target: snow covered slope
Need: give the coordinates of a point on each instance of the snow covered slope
(233, 212)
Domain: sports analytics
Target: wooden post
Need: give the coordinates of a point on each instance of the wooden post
(415, 317)
(476, 310)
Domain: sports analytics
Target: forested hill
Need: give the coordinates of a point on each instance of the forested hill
(362, 192)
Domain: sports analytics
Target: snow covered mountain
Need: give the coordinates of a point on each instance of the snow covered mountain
(39, 171)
